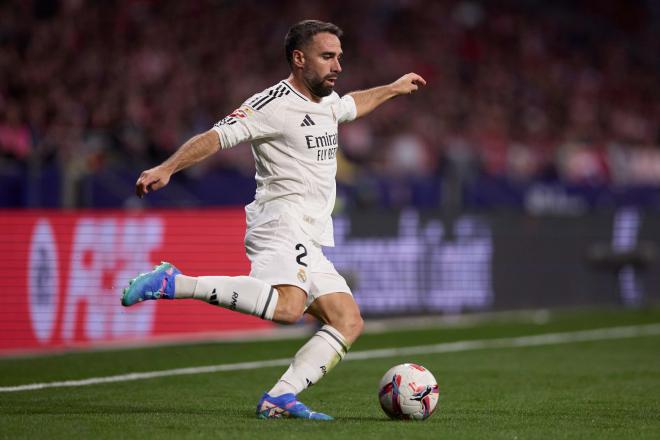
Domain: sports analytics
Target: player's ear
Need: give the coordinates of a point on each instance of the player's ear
(298, 58)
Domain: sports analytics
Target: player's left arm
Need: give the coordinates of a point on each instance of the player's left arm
(367, 100)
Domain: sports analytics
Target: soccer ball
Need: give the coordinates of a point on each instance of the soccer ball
(408, 391)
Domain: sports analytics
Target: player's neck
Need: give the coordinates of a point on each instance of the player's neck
(300, 87)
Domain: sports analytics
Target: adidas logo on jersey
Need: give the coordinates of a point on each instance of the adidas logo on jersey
(307, 121)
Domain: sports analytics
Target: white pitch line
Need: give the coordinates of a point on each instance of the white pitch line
(600, 334)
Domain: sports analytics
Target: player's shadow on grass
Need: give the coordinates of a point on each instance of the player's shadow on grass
(157, 410)
(252, 416)
(366, 419)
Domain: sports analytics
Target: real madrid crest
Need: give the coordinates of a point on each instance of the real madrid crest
(302, 276)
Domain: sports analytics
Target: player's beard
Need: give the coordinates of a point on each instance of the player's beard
(317, 86)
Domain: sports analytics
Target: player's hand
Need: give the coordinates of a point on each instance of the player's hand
(408, 83)
(151, 180)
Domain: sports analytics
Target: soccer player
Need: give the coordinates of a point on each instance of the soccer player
(293, 130)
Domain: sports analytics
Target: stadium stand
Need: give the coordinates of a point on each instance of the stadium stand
(528, 101)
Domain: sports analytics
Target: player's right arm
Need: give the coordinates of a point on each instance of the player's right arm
(194, 150)
(246, 123)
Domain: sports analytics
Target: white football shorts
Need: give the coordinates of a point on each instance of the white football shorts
(281, 253)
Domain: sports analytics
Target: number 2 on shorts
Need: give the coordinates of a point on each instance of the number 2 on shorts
(301, 255)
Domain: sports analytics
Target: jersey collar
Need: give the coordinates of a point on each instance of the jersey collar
(286, 83)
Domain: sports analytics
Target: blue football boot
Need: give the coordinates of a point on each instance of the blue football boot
(159, 283)
(286, 405)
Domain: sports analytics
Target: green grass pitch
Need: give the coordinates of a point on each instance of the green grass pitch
(607, 389)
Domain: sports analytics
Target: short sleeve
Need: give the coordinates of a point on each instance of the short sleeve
(346, 109)
(247, 124)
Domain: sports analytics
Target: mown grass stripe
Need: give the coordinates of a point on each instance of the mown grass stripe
(447, 347)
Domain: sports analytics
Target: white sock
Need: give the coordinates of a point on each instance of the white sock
(313, 361)
(243, 294)
(184, 286)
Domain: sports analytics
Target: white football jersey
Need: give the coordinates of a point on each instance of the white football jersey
(294, 143)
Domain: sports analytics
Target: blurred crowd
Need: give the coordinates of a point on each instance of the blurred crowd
(522, 90)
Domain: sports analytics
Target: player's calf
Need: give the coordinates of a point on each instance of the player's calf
(242, 294)
(312, 362)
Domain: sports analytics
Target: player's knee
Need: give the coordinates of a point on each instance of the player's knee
(289, 310)
(356, 324)
(288, 316)
(350, 325)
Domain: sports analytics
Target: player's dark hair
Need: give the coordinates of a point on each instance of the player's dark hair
(300, 34)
